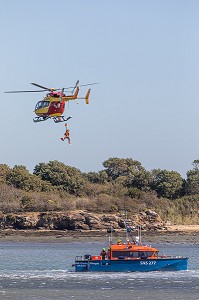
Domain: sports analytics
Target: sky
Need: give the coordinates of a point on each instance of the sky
(143, 53)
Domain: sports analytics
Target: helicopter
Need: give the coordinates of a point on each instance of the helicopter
(53, 104)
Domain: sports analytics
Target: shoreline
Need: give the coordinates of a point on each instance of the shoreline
(173, 234)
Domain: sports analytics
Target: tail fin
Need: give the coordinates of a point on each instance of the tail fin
(87, 96)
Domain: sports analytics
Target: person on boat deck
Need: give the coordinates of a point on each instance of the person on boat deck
(119, 242)
(103, 253)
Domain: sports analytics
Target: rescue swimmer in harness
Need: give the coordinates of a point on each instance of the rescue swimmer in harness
(66, 134)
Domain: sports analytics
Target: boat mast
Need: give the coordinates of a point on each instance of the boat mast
(129, 230)
(127, 227)
(140, 233)
(110, 236)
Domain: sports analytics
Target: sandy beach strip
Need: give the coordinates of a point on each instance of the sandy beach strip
(173, 234)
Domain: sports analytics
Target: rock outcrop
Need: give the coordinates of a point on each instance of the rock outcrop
(79, 220)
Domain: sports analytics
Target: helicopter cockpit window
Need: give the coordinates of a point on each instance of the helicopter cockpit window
(42, 104)
(46, 103)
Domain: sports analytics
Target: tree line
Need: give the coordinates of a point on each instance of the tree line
(122, 183)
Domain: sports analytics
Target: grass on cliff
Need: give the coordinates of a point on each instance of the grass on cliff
(180, 211)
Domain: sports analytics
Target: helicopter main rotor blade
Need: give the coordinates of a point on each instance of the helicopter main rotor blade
(89, 84)
(25, 91)
(61, 95)
(77, 83)
(41, 86)
(44, 89)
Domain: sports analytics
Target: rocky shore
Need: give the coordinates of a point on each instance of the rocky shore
(79, 220)
(83, 226)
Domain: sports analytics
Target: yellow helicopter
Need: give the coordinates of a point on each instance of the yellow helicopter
(53, 104)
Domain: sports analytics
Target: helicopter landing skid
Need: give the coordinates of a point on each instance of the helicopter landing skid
(55, 119)
(40, 119)
(61, 119)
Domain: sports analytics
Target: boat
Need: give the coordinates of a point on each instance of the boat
(130, 256)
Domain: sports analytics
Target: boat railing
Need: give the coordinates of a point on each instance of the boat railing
(84, 257)
(170, 256)
(78, 258)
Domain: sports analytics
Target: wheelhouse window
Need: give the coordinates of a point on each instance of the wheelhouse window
(124, 254)
(149, 253)
(132, 254)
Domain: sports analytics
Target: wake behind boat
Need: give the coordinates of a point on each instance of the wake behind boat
(129, 256)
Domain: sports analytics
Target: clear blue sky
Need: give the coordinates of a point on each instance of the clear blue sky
(144, 54)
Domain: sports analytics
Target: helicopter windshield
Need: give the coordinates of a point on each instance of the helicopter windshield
(42, 104)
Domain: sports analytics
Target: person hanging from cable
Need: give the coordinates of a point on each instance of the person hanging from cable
(66, 134)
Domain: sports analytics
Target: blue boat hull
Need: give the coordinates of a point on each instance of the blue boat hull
(139, 265)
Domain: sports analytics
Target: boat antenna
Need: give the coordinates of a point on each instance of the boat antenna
(140, 233)
(111, 235)
(124, 215)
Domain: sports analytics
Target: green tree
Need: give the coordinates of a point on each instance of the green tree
(131, 171)
(195, 164)
(168, 184)
(140, 179)
(192, 181)
(100, 177)
(116, 167)
(4, 172)
(61, 176)
(20, 178)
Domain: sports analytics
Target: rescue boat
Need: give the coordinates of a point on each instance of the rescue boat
(130, 256)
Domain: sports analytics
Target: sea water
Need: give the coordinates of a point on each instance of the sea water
(31, 270)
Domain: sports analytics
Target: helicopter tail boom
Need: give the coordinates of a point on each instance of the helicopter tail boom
(87, 97)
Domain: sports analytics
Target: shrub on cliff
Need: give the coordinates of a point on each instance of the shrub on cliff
(9, 198)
